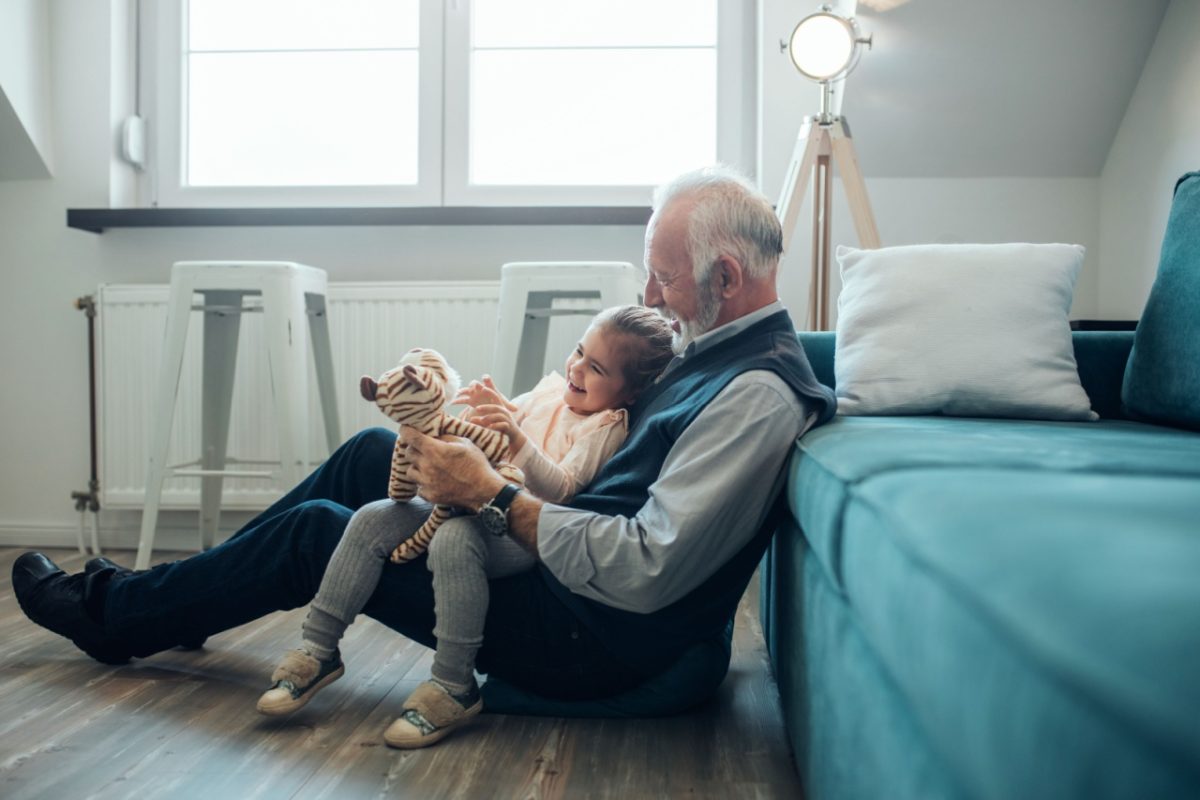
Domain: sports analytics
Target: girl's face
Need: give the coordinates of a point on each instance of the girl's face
(595, 376)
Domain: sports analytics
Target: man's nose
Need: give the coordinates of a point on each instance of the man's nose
(652, 295)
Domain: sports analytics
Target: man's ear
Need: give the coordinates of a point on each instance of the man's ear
(729, 276)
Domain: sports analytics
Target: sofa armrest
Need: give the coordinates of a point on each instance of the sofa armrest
(1100, 356)
(818, 346)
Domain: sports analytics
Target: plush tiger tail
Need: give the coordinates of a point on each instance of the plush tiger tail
(418, 543)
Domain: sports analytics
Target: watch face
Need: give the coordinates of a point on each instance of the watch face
(494, 520)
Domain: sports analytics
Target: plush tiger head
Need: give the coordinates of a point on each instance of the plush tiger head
(414, 391)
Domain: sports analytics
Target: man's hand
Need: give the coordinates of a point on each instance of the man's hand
(499, 418)
(450, 471)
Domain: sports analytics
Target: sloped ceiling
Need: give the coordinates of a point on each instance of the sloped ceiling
(20, 158)
(996, 88)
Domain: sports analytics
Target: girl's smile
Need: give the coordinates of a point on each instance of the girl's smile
(595, 373)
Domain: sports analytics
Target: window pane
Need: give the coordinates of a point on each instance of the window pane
(302, 24)
(590, 117)
(291, 119)
(589, 23)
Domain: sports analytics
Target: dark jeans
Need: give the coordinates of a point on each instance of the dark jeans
(276, 561)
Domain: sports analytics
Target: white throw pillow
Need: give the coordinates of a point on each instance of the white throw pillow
(965, 330)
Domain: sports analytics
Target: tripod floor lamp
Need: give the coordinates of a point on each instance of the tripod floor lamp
(825, 47)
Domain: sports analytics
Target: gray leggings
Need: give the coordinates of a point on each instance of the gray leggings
(462, 557)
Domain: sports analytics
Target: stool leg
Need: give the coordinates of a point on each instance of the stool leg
(510, 323)
(219, 365)
(318, 324)
(179, 311)
(287, 352)
(531, 353)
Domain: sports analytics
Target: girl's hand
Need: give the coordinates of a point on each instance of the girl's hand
(504, 401)
(482, 392)
(499, 418)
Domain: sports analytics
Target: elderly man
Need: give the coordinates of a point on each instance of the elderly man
(648, 560)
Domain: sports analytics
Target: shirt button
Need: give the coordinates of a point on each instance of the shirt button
(574, 634)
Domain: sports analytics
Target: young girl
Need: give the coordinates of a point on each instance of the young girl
(560, 434)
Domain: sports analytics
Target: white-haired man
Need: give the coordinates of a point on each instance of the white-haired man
(648, 560)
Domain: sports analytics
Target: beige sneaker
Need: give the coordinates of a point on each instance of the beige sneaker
(297, 678)
(430, 714)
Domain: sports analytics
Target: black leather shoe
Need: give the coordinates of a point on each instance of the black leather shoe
(100, 564)
(55, 600)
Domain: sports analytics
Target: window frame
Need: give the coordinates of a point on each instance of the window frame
(443, 131)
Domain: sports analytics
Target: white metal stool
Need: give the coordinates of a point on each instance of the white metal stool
(293, 306)
(527, 294)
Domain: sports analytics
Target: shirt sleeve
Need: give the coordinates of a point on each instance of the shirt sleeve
(558, 483)
(708, 502)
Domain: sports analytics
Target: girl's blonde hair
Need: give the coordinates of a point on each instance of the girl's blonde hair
(646, 339)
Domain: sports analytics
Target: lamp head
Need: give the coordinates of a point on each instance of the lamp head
(826, 46)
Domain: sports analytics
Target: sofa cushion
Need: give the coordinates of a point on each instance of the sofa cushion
(1162, 381)
(833, 460)
(1100, 356)
(1038, 617)
(977, 330)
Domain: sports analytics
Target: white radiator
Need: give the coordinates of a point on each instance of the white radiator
(370, 326)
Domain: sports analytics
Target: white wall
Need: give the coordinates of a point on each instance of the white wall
(25, 88)
(952, 211)
(1158, 141)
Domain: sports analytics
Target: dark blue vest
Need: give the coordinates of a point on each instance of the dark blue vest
(650, 642)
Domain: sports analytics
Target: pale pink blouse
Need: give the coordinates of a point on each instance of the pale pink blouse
(563, 450)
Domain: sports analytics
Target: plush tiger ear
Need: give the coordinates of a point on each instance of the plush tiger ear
(368, 388)
(420, 377)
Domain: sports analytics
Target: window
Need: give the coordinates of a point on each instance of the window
(425, 102)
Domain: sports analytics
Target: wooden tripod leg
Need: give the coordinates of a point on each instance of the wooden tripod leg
(804, 158)
(820, 167)
(856, 190)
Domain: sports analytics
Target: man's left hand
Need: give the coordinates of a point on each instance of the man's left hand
(450, 471)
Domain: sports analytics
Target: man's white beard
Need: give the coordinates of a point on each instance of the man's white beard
(708, 308)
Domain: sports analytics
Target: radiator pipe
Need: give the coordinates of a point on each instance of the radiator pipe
(90, 500)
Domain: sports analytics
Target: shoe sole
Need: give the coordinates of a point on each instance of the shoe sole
(417, 742)
(288, 706)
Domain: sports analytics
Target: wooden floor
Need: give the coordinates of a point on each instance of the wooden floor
(183, 725)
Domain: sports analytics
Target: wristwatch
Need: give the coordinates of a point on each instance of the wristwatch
(494, 514)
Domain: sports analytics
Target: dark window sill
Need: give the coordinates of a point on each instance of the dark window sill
(97, 220)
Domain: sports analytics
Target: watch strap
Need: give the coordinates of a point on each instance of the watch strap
(504, 499)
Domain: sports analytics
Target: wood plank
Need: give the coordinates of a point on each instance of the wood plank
(183, 724)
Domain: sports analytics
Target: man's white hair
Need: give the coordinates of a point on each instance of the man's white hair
(731, 217)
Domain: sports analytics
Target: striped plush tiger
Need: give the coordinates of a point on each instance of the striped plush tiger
(416, 393)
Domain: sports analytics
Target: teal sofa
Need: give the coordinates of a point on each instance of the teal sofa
(993, 608)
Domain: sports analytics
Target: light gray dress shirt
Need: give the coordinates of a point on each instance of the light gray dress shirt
(711, 497)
